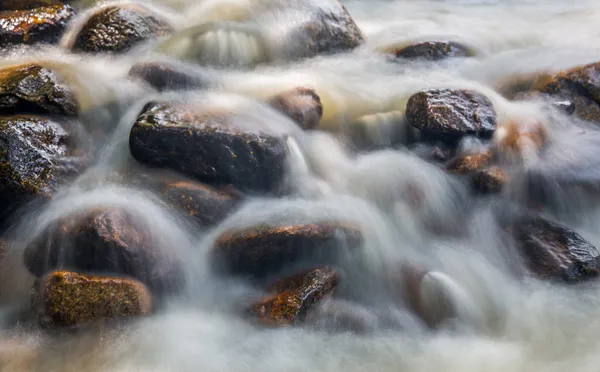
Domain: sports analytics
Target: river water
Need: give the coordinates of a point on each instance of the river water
(515, 325)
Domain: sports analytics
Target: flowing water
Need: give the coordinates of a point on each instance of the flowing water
(510, 323)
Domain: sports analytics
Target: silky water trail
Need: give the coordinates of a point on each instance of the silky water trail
(511, 324)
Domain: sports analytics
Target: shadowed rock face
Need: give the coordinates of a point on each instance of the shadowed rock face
(490, 180)
(433, 50)
(69, 299)
(117, 29)
(262, 250)
(446, 114)
(103, 240)
(33, 89)
(552, 251)
(164, 76)
(294, 297)
(31, 26)
(208, 147)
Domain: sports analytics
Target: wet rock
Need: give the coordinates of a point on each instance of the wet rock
(70, 298)
(27, 4)
(209, 147)
(117, 29)
(294, 297)
(490, 180)
(553, 251)
(35, 159)
(164, 76)
(262, 250)
(33, 89)
(437, 152)
(434, 50)
(579, 85)
(448, 115)
(469, 163)
(303, 105)
(104, 240)
(39, 25)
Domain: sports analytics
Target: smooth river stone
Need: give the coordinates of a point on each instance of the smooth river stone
(302, 105)
(433, 50)
(31, 26)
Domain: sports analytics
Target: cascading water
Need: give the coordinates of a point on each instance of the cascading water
(408, 209)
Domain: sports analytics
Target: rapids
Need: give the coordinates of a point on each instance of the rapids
(504, 323)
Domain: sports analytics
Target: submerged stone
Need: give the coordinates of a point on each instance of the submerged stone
(262, 250)
(293, 297)
(490, 180)
(164, 76)
(553, 251)
(446, 114)
(69, 298)
(33, 89)
(335, 315)
(433, 50)
(208, 147)
(469, 163)
(31, 26)
(104, 240)
(302, 105)
(117, 29)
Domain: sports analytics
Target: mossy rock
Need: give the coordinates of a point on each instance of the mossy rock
(31, 26)
(117, 29)
(208, 147)
(104, 240)
(263, 250)
(33, 89)
(294, 297)
(70, 299)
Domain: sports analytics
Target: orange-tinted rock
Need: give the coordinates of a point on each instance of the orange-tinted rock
(490, 180)
(294, 296)
(469, 163)
(209, 147)
(33, 89)
(39, 25)
(104, 240)
(70, 298)
(27, 4)
(164, 76)
(433, 50)
(117, 29)
(303, 105)
(261, 250)
(514, 140)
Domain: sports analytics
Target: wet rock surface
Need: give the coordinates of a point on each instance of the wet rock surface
(448, 115)
(69, 298)
(33, 89)
(303, 105)
(27, 4)
(164, 76)
(117, 29)
(31, 26)
(555, 252)
(294, 297)
(434, 50)
(262, 250)
(208, 147)
(104, 240)
(469, 163)
(490, 180)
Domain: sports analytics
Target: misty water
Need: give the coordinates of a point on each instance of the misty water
(506, 322)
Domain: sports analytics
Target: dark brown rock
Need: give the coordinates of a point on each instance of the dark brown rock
(117, 29)
(294, 296)
(35, 159)
(27, 4)
(469, 163)
(208, 147)
(70, 298)
(165, 76)
(434, 50)
(490, 180)
(104, 240)
(303, 105)
(33, 89)
(262, 250)
(555, 252)
(446, 114)
(31, 26)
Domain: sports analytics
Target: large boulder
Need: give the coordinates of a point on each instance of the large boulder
(293, 297)
(555, 252)
(69, 299)
(104, 240)
(33, 89)
(31, 26)
(449, 115)
(35, 160)
(433, 50)
(164, 76)
(208, 146)
(303, 105)
(117, 29)
(262, 250)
